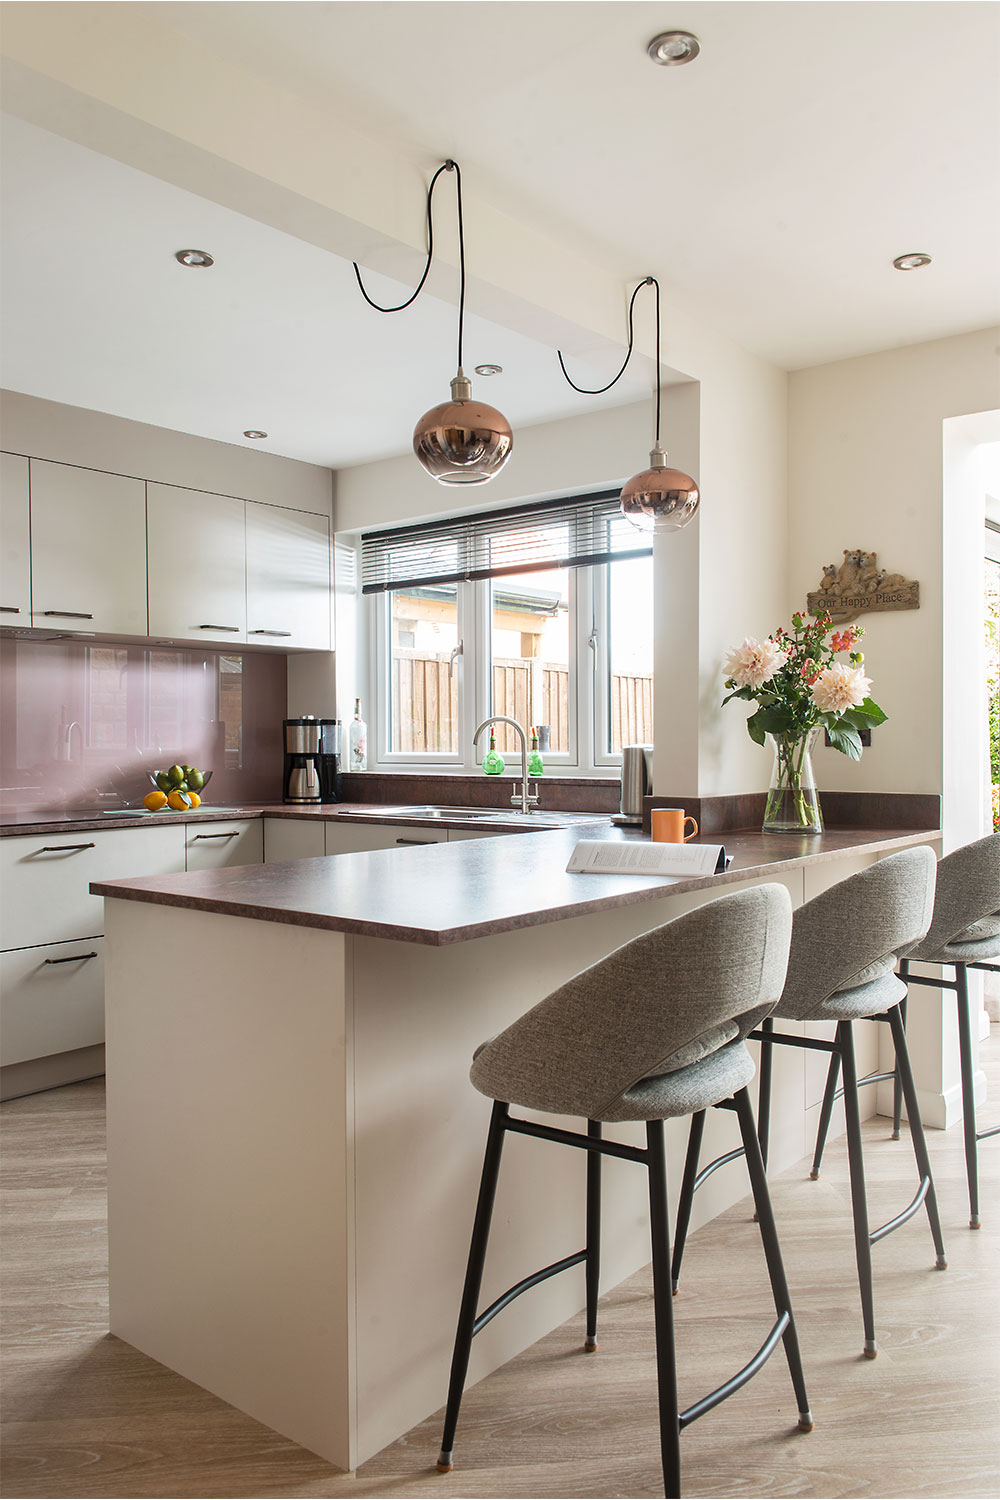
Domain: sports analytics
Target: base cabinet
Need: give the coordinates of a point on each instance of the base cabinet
(216, 846)
(55, 992)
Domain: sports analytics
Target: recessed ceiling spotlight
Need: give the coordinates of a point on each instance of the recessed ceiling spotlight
(911, 262)
(489, 369)
(254, 432)
(672, 48)
(194, 257)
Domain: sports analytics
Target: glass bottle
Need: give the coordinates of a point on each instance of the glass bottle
(358, 740)
(536, 766)
(493, 761)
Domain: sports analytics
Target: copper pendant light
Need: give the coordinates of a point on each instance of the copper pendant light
(659, 498)
(462, 441)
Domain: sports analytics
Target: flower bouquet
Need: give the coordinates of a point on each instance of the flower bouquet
(801, 687)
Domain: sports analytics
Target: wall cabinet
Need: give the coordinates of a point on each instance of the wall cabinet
(288, 577)
(197, 565)
(15, 566)
(88, 550)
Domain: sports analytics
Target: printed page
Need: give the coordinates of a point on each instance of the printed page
(594, 856)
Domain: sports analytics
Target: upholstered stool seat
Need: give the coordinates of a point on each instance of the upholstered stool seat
(654, 1031)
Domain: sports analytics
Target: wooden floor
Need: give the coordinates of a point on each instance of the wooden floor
(87, 1415)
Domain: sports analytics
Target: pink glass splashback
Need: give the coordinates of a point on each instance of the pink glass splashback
(81, 720)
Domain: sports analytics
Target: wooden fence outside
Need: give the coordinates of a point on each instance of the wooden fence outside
(425, 704)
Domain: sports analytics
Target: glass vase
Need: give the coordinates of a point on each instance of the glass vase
(792, 800)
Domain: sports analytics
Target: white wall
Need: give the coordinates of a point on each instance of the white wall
(866, 470)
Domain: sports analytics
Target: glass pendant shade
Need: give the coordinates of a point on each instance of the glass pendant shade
(659, 499)
(463, 441)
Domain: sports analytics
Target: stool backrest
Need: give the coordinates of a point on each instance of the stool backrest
(968, 889)
(580, 1049)
(853, 932)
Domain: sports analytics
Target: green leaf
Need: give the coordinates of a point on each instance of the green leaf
(872, 712)
(777, 718)
(755, 730)
(845, 738)
(744, 692)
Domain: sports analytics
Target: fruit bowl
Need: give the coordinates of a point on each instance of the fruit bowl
(205, 775)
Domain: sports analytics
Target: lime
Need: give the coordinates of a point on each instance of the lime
(163, 781)
(176, 775)
(195, 780)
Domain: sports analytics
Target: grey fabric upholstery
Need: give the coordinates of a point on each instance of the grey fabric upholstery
(845, 942)
(966, 922)
(617, 1041)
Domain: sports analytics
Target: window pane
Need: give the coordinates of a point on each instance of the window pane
(423, 696)
(529, 637)
(630, 655)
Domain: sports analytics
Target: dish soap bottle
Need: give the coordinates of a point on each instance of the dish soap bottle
(358, 740)
(493, 761)
(536, 766)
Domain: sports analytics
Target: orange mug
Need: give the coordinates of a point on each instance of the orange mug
(668, 825)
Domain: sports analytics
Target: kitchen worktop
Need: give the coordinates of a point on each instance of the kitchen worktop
(450, 893)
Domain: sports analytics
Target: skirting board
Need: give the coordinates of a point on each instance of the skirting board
(40, 1073)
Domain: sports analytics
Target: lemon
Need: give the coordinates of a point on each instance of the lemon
(194, 799)
(178, 800)
(154, 801)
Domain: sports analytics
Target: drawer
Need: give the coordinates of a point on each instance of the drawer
(290, 838)
(45, 878)
(349, 838)
(214, 846)
(52, 999)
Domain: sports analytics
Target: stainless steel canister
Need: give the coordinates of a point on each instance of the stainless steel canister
(637, 781)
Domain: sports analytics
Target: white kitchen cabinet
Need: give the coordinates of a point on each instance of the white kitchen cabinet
(349, 838)
(216, 845)
(45, 878)
(197, 565)
(51, 999)
(292, 838)
(288, 577)
(88, 550)
(15, 566)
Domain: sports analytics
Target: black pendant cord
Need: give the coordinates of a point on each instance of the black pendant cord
(447, 166)
(599, 390)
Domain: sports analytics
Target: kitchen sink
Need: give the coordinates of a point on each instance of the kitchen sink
(432, 811)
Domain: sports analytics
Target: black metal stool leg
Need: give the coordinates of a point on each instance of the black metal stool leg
(772, 1252)
(826, 1113)
(764, 1089)
(859, 1201)
(593, 1263)
(666, 1374)
(473, 1282)
(917, 1132)
(968, 1093)
(897, 1087)
(687, 1195)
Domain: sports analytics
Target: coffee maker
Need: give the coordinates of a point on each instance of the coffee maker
(312, 760)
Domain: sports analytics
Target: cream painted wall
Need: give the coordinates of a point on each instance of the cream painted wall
(866, 470)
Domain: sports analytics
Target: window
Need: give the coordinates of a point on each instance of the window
(548, 621)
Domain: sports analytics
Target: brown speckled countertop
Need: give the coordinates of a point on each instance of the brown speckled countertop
(449, 893)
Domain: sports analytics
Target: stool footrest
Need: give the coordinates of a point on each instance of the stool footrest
(740, 1378)
(982, 1134)
(524, 1286)
(720, 1161)
(879, 1234)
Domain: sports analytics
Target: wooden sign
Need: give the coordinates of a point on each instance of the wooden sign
(860, 587)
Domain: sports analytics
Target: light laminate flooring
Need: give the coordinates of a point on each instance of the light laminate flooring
(87, 1415)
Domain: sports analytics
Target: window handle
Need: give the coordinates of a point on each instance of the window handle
(593, 639)
(455, 652)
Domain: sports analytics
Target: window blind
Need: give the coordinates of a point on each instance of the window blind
(572, 533)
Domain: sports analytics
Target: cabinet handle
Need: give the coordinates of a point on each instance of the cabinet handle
(270, 632)
(9, 609)
(66, 614)
(416, 841)
(233, 629)
(74, 958)
(234, 834)
(63, 848)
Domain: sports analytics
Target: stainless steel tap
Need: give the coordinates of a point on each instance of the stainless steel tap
(526, 798)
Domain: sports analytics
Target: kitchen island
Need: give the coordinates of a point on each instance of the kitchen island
(294, 1146)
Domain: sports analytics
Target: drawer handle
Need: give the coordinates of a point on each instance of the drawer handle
(233, 629)
(64, 848)
(9, 609)
(416, 841)
(74, 958)
(66, 614)
(270, 632)
(232, 835)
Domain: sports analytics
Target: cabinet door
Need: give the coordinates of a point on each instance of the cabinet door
(291, 838)
(52, 999)
(88, 550)
(288, 577)
(349, 838)
(197, 565)
(15, 575)
(214, 846)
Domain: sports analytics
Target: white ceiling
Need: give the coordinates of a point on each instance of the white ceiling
(771, 182)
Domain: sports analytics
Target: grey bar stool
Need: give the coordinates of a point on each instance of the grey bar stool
(844, 949)
(964, 931)
(654, 1031)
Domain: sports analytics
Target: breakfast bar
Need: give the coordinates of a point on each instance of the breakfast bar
(294, 1145)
